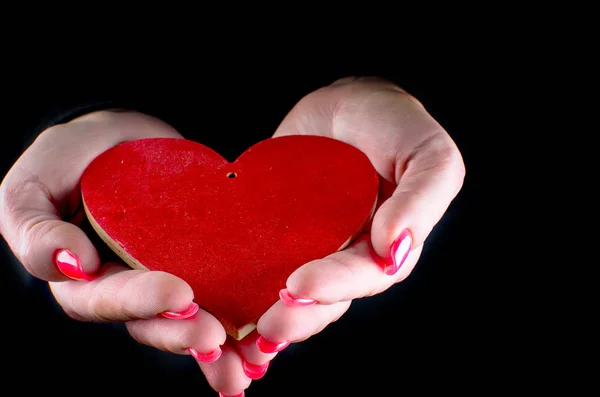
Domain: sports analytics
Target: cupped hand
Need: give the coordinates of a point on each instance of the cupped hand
(421, 172)
(39, 203)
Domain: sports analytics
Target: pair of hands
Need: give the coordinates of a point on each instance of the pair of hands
(421, 168)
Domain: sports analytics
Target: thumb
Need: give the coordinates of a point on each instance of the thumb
(432, 178)
(48, 247)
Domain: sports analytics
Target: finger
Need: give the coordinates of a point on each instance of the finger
(283, 324)
(427, 183)
(49, 248)
(249, 350)
(200, 335)
(254, 362)
(355, 272)
(119, 294)
(226, 375)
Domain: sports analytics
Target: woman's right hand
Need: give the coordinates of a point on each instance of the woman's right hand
(41, 191)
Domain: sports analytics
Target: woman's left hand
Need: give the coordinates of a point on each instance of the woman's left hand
(421, 172)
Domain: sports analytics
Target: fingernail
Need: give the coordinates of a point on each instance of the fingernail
(399, 251)
(254, 371)
(289, 299)
(70, 265)
(187, 313)
(267, 346)
(242, 394)
(209, 357)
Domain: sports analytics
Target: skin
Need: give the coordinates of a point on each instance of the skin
(421, 168)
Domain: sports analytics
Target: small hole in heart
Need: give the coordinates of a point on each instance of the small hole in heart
(231, 175)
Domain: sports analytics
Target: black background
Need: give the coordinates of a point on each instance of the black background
(442, 327)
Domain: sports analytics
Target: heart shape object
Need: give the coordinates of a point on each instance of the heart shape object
(234, 231)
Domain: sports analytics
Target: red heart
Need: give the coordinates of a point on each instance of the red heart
(233, 231)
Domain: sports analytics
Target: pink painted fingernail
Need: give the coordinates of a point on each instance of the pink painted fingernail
(70, 265)
(209, 357)
(254, 371)
(289, 299)
(267, 346)
(399, 251)
(242, 394)
(187, 313)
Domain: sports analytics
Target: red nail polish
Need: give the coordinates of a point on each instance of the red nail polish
(267, 346)
(242, 394)
(289, 299)
(254, 371)
(70, 265)
(209, 357)
(399, 251)
(187, 313)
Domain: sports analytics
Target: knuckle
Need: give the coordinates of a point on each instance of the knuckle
(162, 288)
(51, 134)
(456, 163)
(373, 82)
(345, 80)
(181, 338)
(24, 243)
(341, 273)
(9, 204)
(102, 305)
(130, 292)
(344, 271)
(32, 231)
(437, 155)
(447, 153)
(319, 279)
(21, 220)
(447, 160)
(146, 334)
(307, 280)
(440, 150)
(301, 281)
(142, 293)
(282, 323)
